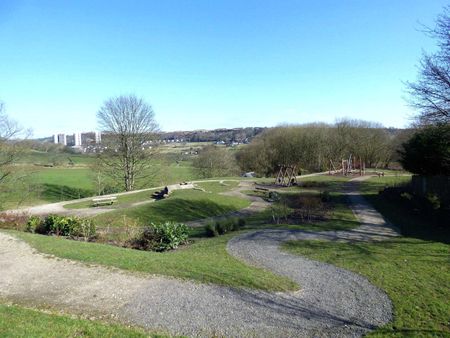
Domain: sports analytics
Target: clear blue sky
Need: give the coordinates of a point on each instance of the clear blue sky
(211, 64)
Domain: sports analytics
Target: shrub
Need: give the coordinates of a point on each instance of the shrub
(160, 237)
(62, 226)
(240, 223)
(33, 223)
(310, 207)
(433, 201)
(325, 196)
(170, 235)
(211, 230)
(221, 227)
(84, 228)
(280, 211)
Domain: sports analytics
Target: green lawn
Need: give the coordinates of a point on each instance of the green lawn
(218, 187)
(181, 206)
(126, 200)
(34, 157)
(205, 260)
(16, 321)
(414, 273)
(121, 202)
(374, 184)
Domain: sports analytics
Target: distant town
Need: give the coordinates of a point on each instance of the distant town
(91, 141)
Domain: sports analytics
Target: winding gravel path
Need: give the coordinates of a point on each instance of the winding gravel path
(332, 301)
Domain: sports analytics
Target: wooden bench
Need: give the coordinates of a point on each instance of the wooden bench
(104, 201)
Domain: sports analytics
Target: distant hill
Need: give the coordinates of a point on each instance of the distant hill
(241, 135)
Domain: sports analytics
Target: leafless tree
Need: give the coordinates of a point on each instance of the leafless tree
(430, 94)
(213, 161)
(9, 150)
(129, 126)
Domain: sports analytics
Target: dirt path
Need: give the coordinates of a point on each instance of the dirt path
(332, 301)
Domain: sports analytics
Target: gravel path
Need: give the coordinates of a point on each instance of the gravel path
(332, 301)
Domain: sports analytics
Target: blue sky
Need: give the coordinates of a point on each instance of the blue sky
(211, 64)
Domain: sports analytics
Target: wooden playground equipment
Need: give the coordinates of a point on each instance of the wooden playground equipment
(348, 166)
(287, 175)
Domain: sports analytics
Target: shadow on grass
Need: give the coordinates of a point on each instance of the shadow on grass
(175, 210)
(56, 193)
(411, 223)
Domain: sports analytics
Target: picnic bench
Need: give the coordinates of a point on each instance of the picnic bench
(103, 201)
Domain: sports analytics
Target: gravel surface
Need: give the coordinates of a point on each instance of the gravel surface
(331, 302)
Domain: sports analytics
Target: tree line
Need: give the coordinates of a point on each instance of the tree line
(314, 147)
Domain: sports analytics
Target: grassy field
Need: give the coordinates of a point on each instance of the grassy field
(54, 177)
(16, 321)
(414, 271)
(181, 206)
(206, 260)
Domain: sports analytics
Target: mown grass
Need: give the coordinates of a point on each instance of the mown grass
(218, 187)
(16, 321)
(181, 206)
(205, 260)
(142, 196)
(375, 184)
(414, 273)
(121, 202)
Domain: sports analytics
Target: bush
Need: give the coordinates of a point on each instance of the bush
(211, 230)
(170, 235)
(221, 227)
(62, 226)
(325, 196)
(311, 207)
(241, 223)
(160, 237)
(84, 228)
(33, 223)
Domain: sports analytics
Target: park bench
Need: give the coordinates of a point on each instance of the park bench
(103, 201)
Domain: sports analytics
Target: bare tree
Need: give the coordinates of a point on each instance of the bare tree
(9, 150)
(430, 94)
(213, 161)
(129, 126)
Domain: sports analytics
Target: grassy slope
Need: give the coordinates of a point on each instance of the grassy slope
(413, 272)
(205, 261)
(182, 206)
(122, 200)
(16, 321)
